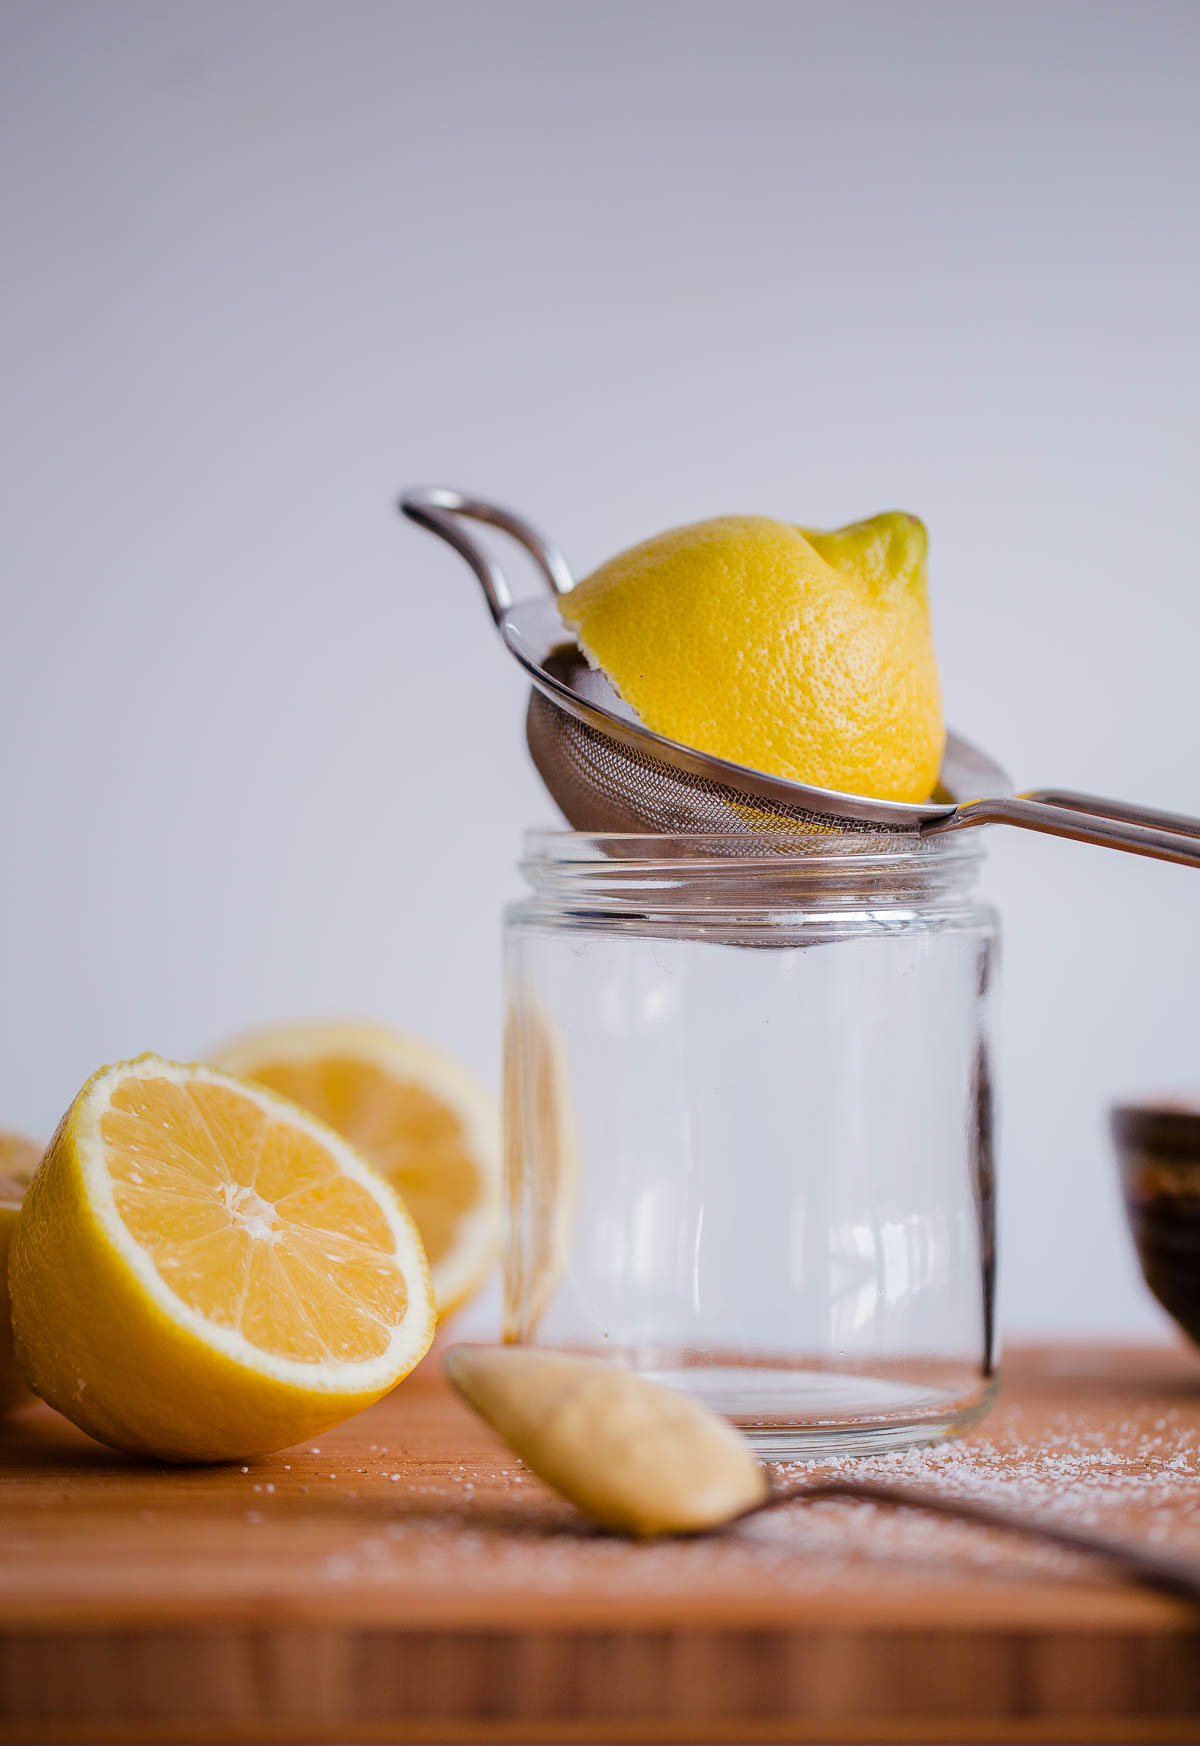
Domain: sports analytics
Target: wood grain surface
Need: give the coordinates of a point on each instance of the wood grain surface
(403, 1579)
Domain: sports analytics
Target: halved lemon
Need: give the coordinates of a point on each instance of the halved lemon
(18, 1161)
(542, 1172)
(421, 1119)
(203, 1271)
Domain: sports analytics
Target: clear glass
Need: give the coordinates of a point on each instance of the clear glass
(749, 1135)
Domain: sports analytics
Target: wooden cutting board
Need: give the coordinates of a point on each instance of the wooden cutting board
(403, 1579)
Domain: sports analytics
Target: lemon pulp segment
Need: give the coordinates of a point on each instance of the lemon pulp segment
(250, 1221)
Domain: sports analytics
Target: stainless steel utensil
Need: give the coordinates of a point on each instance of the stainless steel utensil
(639, 1460)
(608, 772)
(1164, 1571)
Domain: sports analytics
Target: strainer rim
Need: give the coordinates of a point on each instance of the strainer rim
(826, 848)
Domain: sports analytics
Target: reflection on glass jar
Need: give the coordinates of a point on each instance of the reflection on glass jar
(749, 1125)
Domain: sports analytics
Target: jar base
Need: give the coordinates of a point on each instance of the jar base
(802, 1414)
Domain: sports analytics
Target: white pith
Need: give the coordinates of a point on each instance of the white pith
(334, 1376)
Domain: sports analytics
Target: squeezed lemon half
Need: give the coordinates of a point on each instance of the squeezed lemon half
(804, 654)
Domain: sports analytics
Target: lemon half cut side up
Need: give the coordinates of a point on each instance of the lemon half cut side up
(203, 1270)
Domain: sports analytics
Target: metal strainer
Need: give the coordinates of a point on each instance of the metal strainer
(608, 772)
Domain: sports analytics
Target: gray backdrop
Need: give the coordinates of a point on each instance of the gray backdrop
(622, 265)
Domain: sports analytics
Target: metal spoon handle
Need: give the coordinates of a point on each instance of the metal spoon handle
(1158, 1570)
(1118, 809)
(441, 510)
(1084, 818)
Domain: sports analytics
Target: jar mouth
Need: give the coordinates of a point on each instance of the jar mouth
(754, 879)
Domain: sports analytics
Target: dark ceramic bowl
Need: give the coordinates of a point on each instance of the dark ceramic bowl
(1158, 1146)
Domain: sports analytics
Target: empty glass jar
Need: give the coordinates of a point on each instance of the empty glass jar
(749, 1125)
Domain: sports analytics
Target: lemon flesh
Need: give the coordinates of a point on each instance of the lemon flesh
(801, 654)
(426, 1124)
(202, 1271)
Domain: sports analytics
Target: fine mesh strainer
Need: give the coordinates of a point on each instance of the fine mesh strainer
(608, 772)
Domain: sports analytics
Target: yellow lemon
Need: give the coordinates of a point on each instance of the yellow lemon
(542, 1165)
(423, 1121)
(203, 1271)
(18, 1161)
(801, 654)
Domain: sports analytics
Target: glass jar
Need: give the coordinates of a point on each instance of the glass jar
(749, 1135)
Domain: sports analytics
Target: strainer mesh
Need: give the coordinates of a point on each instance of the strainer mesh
(600, 784)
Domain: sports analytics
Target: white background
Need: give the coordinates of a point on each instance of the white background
(621, 265)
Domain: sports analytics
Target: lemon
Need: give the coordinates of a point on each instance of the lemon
(202, 1271)
(423, 1121)
(18, 1161)
(541, 1165)
(800, 654)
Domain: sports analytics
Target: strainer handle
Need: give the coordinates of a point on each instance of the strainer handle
(1084, 818)
(442, 511)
